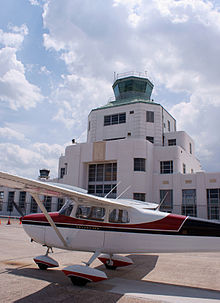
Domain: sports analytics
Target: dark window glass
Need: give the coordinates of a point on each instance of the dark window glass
(184, 168)
(115, 119)
(1, 199)
(122, 118)
(139, 164)
(108, 172)
(171, 142)
(92, 172)
(166, 195)
(107, 120)
(190, 148)
(213, 203)
(33, 208)
(91, 189)
(22, 199)
(47, 202)
(150, 116)
(168, 124)
(139, 196)
(100, 170)
(99, 189)
(11, 196)
(189, 202)
(150, 139)
(60, 203)
(62, 172)
(166, 167)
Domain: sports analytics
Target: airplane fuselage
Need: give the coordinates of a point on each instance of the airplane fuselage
(160, 233)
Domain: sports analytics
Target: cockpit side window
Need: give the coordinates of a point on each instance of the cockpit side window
(90, 212)
(67, 208)
(119, 216)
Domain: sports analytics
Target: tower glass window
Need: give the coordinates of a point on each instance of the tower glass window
(102, 179)
(139, 164)
(171, 142)
(115, 119)
(166, 167)
(150, 116)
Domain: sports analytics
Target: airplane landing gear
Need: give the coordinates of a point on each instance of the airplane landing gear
(114, 261)
(80, 275)
(44, 261)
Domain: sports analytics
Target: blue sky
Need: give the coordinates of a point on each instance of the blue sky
(57, 60)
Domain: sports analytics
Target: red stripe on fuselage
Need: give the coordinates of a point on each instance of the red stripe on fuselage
(169, 223)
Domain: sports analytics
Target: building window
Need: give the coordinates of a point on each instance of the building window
(166, 167)
(150, 116)
(60, 203)
(168, 125)
(22, 199)
(89, 124)
(131, 112)
(184, 168)
(139, 196)
(115, 119)
(139, 164)
(11, 196)
(1, 200)
(166, 195)
(171, 142)
(190, 148)
(62, 172)
(33, 208)
(101, 179)
(189, 202)
(47, 202)
(150, 139)
(213, 203)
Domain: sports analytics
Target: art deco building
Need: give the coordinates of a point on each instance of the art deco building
(132, 142)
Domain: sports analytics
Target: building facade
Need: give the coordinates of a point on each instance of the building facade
(134, 151)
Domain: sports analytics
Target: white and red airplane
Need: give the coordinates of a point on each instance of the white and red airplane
(107, 227)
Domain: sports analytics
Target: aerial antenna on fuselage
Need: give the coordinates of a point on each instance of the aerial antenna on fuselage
(161, 202)
(123, 192)
(112, 189)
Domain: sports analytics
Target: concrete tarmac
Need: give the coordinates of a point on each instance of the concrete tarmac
(155, 278)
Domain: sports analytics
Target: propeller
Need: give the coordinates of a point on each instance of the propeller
(19, 210)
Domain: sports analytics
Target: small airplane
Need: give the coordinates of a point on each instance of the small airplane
(107, 227)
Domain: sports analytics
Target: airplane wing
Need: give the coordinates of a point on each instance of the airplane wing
(55, 190)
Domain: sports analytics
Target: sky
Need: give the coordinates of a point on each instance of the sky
(58, 58)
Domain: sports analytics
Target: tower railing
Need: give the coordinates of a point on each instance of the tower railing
(129, 74)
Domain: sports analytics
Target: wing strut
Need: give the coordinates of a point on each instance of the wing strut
(49, 219)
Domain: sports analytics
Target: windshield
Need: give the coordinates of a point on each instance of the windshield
(67, 208)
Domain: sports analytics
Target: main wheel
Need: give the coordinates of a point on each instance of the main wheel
(78, 281)
(112, 267)
(42, 266)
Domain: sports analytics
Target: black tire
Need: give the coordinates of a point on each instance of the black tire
(42, 266)
(112, 267)
(78, 281)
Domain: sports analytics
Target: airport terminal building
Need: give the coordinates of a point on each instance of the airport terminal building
(133, 150)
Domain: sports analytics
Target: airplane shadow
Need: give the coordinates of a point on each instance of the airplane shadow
(123, 280)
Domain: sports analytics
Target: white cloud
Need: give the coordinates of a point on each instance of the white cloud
(15, 90)
(26, 160)
(6, 132)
